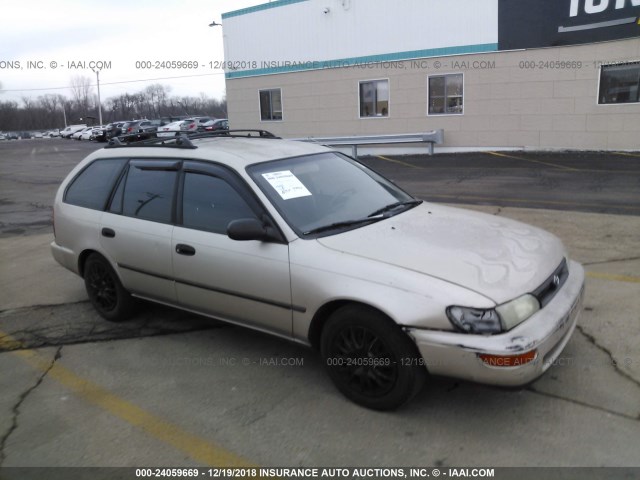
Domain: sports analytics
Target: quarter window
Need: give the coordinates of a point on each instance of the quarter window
(374, 98)
(210, 203)
(271, 104)
(92, 187)
(446, 94)
(619, 84)
(148, 193)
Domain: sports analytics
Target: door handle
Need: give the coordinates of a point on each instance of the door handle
(109, 233)
(187, 250)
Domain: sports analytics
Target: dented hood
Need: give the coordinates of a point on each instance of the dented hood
(493, 256)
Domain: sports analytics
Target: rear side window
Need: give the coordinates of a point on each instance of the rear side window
(148, 193)
(91, 188)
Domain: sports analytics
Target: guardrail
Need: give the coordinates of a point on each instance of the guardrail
(434, 137)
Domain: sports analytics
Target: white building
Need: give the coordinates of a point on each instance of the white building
(535, 74)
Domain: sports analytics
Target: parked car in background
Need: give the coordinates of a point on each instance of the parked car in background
(37, 135)
(138, 130)
(173, 118)
(169, 130)
(217, 124)
(114, 129)
(78, 135)
(71, 129)
(87, 133)
(13, 136)
(99, 134)
(3, 136)
(194, 124)
(25, 135)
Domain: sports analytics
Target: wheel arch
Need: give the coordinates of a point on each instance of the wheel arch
(85, 254)
(324, 313)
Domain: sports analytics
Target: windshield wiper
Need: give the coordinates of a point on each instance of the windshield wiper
(373, 217)
(346, 223)
(395, 205)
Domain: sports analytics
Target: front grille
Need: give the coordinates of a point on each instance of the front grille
(545, 292)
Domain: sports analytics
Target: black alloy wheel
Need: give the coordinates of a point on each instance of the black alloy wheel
(370, 359)
(106, 293)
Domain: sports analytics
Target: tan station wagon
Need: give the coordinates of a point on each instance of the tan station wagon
(305, 243)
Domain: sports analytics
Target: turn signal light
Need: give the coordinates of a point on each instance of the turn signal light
(508, 360)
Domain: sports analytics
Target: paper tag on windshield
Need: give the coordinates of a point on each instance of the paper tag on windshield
(286, 184)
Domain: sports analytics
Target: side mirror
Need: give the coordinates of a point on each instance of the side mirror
(248, 229)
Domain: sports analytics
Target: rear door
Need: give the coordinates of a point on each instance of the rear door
(137, 228)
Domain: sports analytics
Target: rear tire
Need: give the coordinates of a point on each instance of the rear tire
(106, 293)
(370, 359)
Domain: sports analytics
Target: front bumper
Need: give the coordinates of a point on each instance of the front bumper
(547, 332)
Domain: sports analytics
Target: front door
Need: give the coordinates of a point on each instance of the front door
(246, 282)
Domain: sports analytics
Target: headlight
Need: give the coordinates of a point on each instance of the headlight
(517, 311)
(474, 320)
(493, 320)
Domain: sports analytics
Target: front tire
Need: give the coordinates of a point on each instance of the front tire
(106, 293)
(370, 359)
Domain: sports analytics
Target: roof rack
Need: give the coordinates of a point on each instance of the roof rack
(174, 142)
(244, 133)
(184, 140)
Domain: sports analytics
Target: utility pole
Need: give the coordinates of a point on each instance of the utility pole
(99, 102)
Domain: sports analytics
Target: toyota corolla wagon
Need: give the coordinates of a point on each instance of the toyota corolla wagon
(305, 243)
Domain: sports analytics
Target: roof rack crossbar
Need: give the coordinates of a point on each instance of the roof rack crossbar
(172, 142)
(246, 133)
(184, 140)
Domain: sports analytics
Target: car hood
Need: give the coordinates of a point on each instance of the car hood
(498, 258)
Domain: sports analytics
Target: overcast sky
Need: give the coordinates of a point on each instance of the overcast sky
(122, 32)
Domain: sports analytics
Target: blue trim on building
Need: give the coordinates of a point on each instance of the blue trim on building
(257, 8)
(355, 61)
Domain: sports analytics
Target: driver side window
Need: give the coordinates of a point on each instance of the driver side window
(209, 203)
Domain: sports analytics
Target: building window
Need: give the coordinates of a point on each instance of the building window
(619, 83)
(374, 98)
(446, 94)
(271, 104)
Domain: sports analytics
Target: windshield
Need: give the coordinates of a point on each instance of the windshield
(328, 193)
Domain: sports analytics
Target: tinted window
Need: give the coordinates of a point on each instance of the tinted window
(116, 200)
(210, 203)
(92, 187)
(148, 193)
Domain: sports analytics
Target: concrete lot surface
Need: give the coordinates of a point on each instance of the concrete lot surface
(174, 389)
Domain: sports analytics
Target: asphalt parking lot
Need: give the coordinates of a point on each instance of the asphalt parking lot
(174, 389)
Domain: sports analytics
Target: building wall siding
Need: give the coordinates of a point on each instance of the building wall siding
(504, 106)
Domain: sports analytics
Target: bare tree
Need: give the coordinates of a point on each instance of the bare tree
(156, 97)
(9, 114)
(52, 106)
(81, 91)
